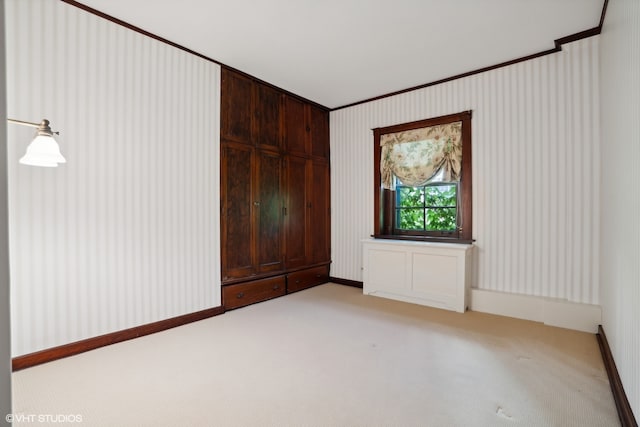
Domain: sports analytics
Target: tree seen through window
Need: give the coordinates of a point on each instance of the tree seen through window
(431, 207)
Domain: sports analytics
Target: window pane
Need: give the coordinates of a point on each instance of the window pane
(441, 195)
(441, 219)
(410, 197)
(410, 219)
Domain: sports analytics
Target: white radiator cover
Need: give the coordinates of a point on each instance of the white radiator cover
(431, 274)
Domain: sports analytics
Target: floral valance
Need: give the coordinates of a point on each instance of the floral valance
(415, 156)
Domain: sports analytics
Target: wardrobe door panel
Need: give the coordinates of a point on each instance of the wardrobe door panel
(296, 212)
(318, 226)
(319, 132)
(236, 218)
(295, 127)
(267, 117)
(269, 207)
(236, 107)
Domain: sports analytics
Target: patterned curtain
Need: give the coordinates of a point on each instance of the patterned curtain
(417, 155)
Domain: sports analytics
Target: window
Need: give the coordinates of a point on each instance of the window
(429, 208)
(423, 179)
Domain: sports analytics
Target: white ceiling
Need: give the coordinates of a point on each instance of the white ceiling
(336, 52)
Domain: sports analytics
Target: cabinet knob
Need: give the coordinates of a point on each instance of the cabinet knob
(318, 275)
(256, 203)
(276, 287)
(240, 295)
(298, 281)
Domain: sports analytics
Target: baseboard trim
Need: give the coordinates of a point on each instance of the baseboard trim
(346, 282)
(550, 311)
(625, 413)
(71, 349)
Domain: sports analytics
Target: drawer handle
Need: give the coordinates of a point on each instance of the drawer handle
(318, 275)
(240, 295)
(298, 281)
(276, 287)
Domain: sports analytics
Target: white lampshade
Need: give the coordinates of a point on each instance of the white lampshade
(43, 150)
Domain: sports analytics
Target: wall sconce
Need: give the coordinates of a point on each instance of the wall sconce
(43, 150)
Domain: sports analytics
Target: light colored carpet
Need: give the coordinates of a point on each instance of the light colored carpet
(330, 356)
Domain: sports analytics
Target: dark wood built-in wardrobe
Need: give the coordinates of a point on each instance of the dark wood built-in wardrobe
(275, 192)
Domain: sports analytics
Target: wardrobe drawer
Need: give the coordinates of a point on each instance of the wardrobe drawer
(307, 278)
(241, 294)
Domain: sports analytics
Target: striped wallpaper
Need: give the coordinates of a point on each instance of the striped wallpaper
(127, 231)
(620, 275)
(535, 172)
(5, 317)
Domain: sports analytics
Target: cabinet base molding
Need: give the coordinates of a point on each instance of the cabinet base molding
(71, 349)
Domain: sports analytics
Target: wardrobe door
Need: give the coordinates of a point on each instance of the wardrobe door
(295, 212)
(238, 253)
(295, 127)
(236, 107)
(268, 117)
(268, 209)
(318, 232)
(319, 132)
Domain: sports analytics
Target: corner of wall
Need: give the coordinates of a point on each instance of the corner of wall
(5, 317)
(619, 204)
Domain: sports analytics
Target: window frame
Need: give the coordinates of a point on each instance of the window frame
(384, 199)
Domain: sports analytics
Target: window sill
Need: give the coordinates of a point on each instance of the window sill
(423, 238)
